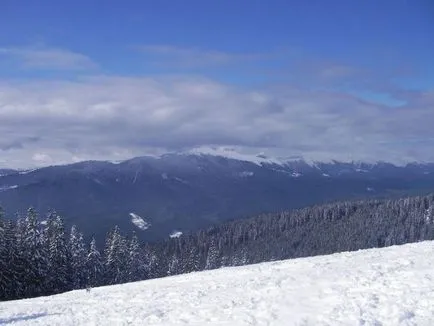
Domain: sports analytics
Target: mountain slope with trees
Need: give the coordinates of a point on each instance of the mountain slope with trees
(42, 258)
(192, 192)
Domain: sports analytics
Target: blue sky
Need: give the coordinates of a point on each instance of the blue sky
(375, 54)
(383, 35)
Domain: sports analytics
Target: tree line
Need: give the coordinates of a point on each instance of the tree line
(42, 258)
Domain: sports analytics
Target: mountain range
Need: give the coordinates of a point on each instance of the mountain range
(163, 196)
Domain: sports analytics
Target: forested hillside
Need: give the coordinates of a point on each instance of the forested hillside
(193, 192)
(42, 258)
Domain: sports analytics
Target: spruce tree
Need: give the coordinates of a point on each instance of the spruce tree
(94, 266)
(34, 255)
(212, 256)
(133, 262)
(115, 257)
(78, 255)
(12, 270)
(4, 258)
(59, 273)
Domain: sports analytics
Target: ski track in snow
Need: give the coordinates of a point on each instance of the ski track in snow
(389, 286)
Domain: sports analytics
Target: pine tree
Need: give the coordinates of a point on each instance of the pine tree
(133, 263)
(34, 255)
(59, 272)
(174, 267)
(18, 259)
(212, 256)
(191, 261)
(78, 255)
(4, 258)
(94, 266)
(12, 270)
(115, 258)
(150, 263)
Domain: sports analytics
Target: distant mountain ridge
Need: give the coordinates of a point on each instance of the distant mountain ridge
(192, 190)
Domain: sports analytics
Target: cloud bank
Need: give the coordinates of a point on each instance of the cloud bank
(103, 117)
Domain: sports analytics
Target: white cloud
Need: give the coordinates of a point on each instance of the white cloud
(48, 58)
(41, 157)
(119, 117)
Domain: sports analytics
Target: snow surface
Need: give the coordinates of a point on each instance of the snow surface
(231, 153)
(246, 174)
(27, 171)
(4, 188)
(139, 222)
(175, 234)
(389, 286)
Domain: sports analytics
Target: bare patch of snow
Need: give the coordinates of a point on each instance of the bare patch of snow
(139, 222)
(136, 176)
(245, 174)
(180, 180)
(96, 180)
(175, 234)
(27, 171)
(5, 188)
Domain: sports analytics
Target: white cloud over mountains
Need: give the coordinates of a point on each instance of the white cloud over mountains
(106, 117)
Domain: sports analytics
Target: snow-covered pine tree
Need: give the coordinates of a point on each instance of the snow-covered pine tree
(18, 258)
(150, 263)
(12, 270)
(35, 256)
(133, 263)
(212, 258)
(78, 254)
(115, 258)
(59, 272)
(4, 258)
(174, 267)
(94, 266)
(191, 260)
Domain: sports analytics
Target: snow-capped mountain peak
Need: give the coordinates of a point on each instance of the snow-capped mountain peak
(232, 153)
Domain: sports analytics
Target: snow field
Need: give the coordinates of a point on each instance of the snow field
(389, 286)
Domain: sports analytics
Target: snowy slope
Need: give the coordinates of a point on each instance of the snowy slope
(391, 286)
(139, 221)
(232, 154)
